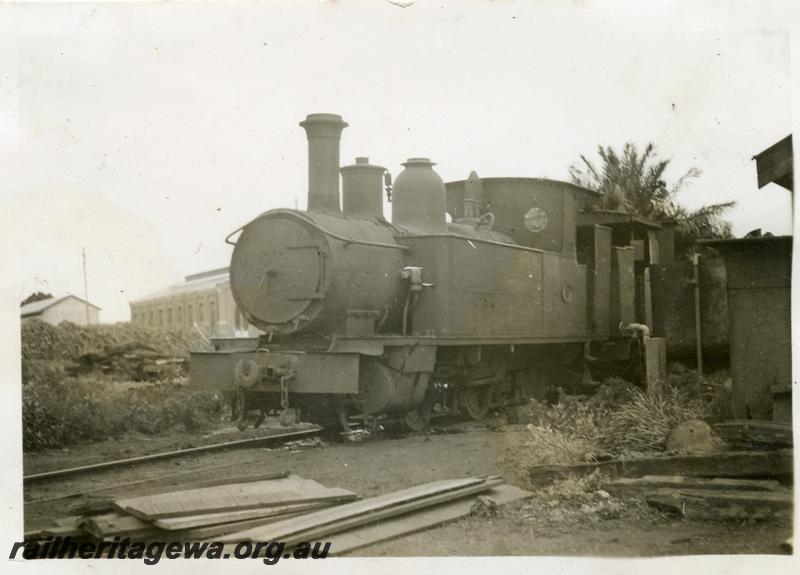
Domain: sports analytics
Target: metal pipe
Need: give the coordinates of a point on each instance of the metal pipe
(697, 319)
(85, 289)
(635, 328)
(408, 307)
(414, 276)
(405, 312)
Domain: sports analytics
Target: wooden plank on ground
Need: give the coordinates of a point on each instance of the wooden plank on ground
(770, 463)
(281, 530)
(117, 524)
(93, 505)
(207, 533)
(239, 501)
(192, 521)
(65, 527)
(650, 482)
(195, 483)
(750, 432)
(63, 531)
(343, 543)
(324, 531)
(210, 532)
(712, 504)
(97, 503)
(277, 492)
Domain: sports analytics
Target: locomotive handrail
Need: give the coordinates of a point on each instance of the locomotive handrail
(344, 239)
(347, 240)
(473, 239)
(228, 237)
(483, 221)
(360, 242)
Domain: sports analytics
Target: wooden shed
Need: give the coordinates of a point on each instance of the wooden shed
(55, 310)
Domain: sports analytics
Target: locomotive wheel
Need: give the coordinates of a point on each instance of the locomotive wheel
(419, 418)
(476, 400)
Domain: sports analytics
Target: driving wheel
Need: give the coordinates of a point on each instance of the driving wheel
(476, 400)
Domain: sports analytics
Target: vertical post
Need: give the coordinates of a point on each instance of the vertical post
(647, 293)
(655, 349)
(85, 287)
(697, 330)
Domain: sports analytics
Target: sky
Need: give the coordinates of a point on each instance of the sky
(145, 133)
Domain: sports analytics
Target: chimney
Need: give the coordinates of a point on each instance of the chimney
(323, 132)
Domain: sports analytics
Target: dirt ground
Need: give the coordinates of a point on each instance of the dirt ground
(536, 526)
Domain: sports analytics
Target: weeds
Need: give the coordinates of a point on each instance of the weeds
(641, 424)
(575, 488)
(619, 421)
(67, 341)
(70, 410)
(59, 409)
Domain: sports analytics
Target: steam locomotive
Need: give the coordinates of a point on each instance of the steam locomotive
(479, 293)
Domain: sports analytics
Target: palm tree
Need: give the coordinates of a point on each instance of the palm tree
(634, 182)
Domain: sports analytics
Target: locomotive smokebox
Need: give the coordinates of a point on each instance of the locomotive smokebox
(324, 132)
(419, 197)
(362, 189)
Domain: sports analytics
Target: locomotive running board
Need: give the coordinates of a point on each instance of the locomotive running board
(375, 346)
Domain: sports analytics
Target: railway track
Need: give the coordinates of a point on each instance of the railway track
(270, 439)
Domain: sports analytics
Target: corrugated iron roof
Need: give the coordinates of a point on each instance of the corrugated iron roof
(612, 217)
(743, 243)
(490, 180)
(775, 164)
(201, 282)
(206, 274)
(37, 307)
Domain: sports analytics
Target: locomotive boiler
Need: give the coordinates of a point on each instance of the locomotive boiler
(478, 293)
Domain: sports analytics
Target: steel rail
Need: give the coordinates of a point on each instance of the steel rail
(164, 479)
(281, 437)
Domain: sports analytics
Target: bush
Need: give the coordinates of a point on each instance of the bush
(68, 342)
(614, 391)
(712, 390)
(574, 488)
(62, 412)
(620, 420)
(574, 417)
(59, 410)
(543, 445)
(641, 425)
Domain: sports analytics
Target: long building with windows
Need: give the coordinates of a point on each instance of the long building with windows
(203, 300)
